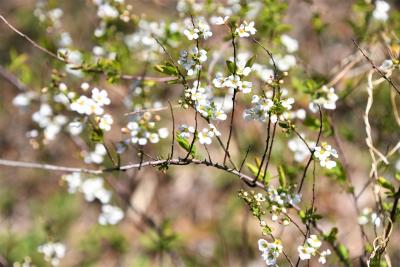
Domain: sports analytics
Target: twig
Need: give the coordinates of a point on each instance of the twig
(313, 151)
(383, 75)
(173, 131)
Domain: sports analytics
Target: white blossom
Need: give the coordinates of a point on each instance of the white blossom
(326, 97)
(381, 10)
(110, 215)
(53, 252)
(246, 29)
(93, 188)
(323, 255)
(270, 251)
(324, 154)
(74, 181)
(105, 122)
(100, 97)
(290, 43)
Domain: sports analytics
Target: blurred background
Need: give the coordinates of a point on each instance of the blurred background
(200, 221)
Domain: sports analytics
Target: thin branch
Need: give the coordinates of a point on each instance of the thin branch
(233, 99)
(313, 151)
(383, 75)
(173, 131)
(154, 163)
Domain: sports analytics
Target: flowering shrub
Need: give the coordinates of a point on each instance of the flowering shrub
(223, 85)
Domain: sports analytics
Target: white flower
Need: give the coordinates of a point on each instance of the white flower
(85, 86)
(219, 20)
(23, 99)
(246, 29)
(285, 63)
(185, 131)
(204, 137)
(100, 97)
(314, 242)
(270, 251)
(110, 215)
(80, 105)
(381, 10)
(300, 150)
(322, 257)
(106, 11)
(200, 28)
(305, 252)
(75, 127)
(93, 188)
(291, 44)
(74, 181)
(363, 218)
(326, 98)
(324, 153)
(163, 133)
(96, 156)
(53, 252)
(105, 122)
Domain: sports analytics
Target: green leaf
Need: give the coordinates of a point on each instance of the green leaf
(97, 135)
(184, 143)
(231, 66)
(398, 176)
(250, 62)
(168, 69)
(331, 237)
(386, 184)
(282, 176)
(254, 169)
(343, 252)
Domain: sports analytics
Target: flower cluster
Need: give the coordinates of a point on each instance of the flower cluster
(200, 97)
(278, 200)
(269, 106)
(233, 82)
(246, 29)
(96, 156)
(93, 189)
(368, 216)
(94, 105)
(143, 129)
(310, 248)
(205, 136)
(48, 122)
(191, 61)
(325, 97)
(270, 250)
(196, 28)
(53, 252)
(185, 131)
(324, 154)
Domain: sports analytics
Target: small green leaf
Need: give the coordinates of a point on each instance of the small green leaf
(282, 176)
(343, 252)
(398, 176)
(254, 169)
(231, 66)
(386, 184)
(250, 62)
(184, 143)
